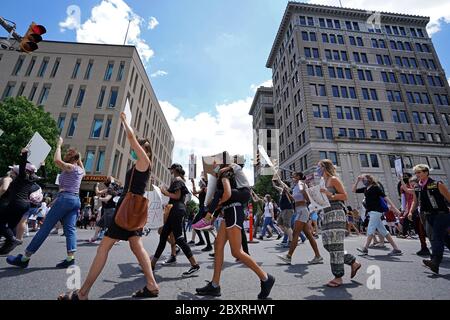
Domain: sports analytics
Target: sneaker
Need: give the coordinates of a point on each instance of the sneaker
(200, 243)
(211, 255)
(191, 242)
(279, 236)
(9, 246)
(281, 244)
(395, 252)
(207, 248)
(203, 224)
(363, 250)
(424, 252)
(261, 238)
(17, 261)
(266, 287)
(209, 290)
(285, 258)
(430, 264)
(192, 270)
(65, 264)
(170, 260)
(316, 260)
(286, 245)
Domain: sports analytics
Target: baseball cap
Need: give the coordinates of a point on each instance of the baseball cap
(175, 166)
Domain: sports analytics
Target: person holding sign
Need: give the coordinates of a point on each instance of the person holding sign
(65, 208)
(136, 181)
(301, 221)
(334, 223)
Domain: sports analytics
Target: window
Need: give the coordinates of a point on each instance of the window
(370, 115)
(113, 98)
(329, 133)
(364, 58)
(30, 67)
(365, 93)
(340, 39)
(324, 37)
(340, 73)
(307, 52)
(352, 133)
(319, 132)
(44, 95)
(331, 72)
(323, 155)
(337, 24)
(342, 132)
(373, 94)
(430, 137)
(403, 117)
(315, 53)
(76, 68)
(352, 92)
(96, 128)
(55, 67)
(361, 133)
(433, 163)
(121, 71)
(101, 97)
(72, 126)
(33, 92)
(87, 75)
(339, 113)
(108, 127)
(374, 161)
(335, 90)
(100, 162)
(81, 94)
(379, 115)
(61, 122)
(348, 74)
(89, 161)
(360, 42)
(383, 134)
(364, 160)
(18, 66)
(316, 111)
(357, 113)
(9, 90)
(348, 113)
(325, 112)
(352, 40)
(432, 118)
(21, 89)
(374, 134)
(333, 157)
(109, 71)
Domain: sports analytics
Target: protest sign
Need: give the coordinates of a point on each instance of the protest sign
(38, 150)
(317, 199)
(128, 113)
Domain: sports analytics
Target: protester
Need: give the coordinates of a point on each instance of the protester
(287, 209)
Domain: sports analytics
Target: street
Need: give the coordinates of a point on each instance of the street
(402, 277)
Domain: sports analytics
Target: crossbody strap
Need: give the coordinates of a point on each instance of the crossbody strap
(131, 179)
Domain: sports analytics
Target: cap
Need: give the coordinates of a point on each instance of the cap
(175, 166)
(29, 167)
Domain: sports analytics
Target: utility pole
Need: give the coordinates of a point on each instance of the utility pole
(11, 29)
(126, 35)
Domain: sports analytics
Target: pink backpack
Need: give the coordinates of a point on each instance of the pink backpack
(36, 197)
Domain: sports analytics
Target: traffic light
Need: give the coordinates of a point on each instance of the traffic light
(32, 38)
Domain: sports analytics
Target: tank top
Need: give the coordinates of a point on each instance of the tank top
(139, 183)
(297, 193)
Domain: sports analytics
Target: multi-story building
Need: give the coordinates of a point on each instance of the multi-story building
(358, 93)
(263, 126)
(85, 87)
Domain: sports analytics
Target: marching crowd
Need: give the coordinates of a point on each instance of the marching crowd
(424, 212)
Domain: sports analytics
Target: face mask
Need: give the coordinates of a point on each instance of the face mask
(365, 182)
(134, 155)
(406, 180)
(319, 171)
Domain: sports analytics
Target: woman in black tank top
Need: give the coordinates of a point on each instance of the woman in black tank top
(142, 168)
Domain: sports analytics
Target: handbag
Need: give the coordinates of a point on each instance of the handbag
(384, 206)
(132, 213)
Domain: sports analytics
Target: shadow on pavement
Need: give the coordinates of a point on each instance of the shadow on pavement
(191, 296)
(14, 271)
(339, 293)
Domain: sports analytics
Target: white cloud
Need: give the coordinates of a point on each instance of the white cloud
(152, 23)
(437, 10)
(205, 134)
(267, 83)
(108, 24)
(448, 80)
(159, 73)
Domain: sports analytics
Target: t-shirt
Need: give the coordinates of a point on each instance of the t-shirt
(70, 181)
(241, 179)
(268, 207)
(285, 202)
(373, 195)
(176, 185)
(297, 194)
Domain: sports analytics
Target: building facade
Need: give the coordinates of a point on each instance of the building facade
(359, 89)
(85, 87)
(263, 127)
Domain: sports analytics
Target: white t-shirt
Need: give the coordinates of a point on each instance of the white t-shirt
(43, 210)
(268, 207)
(241, 179)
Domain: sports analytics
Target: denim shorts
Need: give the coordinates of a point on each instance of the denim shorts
(302, 214)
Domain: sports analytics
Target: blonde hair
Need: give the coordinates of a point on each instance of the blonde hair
(328, 167)
(371, 179)
(422, 167)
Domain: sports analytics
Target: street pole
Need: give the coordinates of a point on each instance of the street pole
(10, 29)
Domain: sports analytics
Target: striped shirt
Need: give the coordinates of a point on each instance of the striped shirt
(70, 181)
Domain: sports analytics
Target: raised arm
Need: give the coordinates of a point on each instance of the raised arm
(58, 160)
(355, 185)
(5, 185)
(143, 161)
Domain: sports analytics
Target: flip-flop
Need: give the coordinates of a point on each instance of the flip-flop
(145, 293)
(354, 271)
(333, 284)
(73, 296)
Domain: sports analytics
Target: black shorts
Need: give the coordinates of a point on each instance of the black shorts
(234, 216)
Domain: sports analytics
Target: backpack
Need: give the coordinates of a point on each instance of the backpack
(36, 197)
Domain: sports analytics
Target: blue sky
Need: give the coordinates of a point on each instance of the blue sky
(209, 52)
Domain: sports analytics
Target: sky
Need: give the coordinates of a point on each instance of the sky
(204, 58)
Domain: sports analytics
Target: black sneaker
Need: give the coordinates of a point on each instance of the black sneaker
(279, 236)
(9, 246)
(266, 287)
(17, 261)
(430, 264)
(207, 248)
(209, 290)
(424, 252)
(192, 270)
(211, 255)
(191, 242)
(170, 260)
(65, 264)
(200, 243)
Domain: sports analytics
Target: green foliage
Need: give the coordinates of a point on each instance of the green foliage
(192, 207)
(20, 119)
(264, 186)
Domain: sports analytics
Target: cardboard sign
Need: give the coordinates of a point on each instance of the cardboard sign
(210, 162)
(128, 113)
(266, 157)
(399, 168)
(155, 219)
(318, 199)
(38, 150)
(192, 166)
(212, 186)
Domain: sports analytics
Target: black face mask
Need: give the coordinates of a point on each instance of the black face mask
(406, 180)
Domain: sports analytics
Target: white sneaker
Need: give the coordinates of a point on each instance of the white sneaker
(285, 258)
(316, 260)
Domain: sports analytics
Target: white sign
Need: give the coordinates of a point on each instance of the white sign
(57, 179)
(128, 113)
(157, 200)
(212, 186)
(38, 150)
(317, 199)
(264, 154)
(399, 168)
(192, 166)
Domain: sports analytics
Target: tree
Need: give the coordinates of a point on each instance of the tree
(192, 207)
(264, 186)
(20, 119)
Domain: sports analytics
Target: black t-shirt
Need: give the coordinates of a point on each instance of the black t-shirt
(111, 191)
(372, 195)
(174, 187)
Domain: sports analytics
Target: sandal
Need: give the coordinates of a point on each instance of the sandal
(145, 293)
(333, 284)
(73, 296)
(354, 271)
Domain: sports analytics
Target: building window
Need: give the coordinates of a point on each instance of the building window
(43, 68)
(96, 128)
(9, 90)
(21, 89)
(72, 126)
(113, 98)
(374, 161)
(33, 92)
(68, 95)
(89, 161)
(101, 97)
(121, 71)
(352, 133)
(364, 160)
(109, 71)
(100, 161)
(30, 67)
(433, 163)
(76, 68)
(18, 66)
(55, 67)
(87, 75)
(80, 98)
(383, 134)
(44, 95)
(361, 134)
(329, 133)
(342, 132)
(61, 122)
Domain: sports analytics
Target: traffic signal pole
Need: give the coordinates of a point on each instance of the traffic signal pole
(10, 29)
